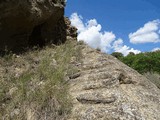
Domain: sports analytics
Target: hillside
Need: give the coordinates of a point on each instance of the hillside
(45, 74)
(73, 81)
(34, 85)
(107, 89)
(146, 63)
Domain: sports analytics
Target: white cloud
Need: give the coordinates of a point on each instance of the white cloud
(106, 41)
(90, 32)
(155, 49)
(119, 47)
(150, 32)
(77, 22)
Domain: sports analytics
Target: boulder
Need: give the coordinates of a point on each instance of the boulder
(30, 22)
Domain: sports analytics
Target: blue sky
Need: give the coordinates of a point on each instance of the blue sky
(131, 25)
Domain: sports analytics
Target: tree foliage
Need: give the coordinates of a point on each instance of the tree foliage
(143, 62)
(117, 55)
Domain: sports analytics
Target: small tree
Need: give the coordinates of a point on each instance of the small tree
(131, 53)
(117, 55)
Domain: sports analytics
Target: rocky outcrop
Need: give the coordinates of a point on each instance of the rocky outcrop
(31, 22)
(103, 88)
(106, 89)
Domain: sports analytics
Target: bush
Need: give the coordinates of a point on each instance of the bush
(143, 62)
(117, 55)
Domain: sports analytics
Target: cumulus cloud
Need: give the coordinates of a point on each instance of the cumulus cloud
(119, 47)
(90, 32)
(77, 21)
(149, 33)
(155, 49)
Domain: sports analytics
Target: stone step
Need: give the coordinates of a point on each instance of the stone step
(96, 98)
(102, 83)
(99, 75)
(96, 65)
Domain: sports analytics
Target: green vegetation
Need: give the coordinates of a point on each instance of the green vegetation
(117, 55)
(34, 85)
(145, 63)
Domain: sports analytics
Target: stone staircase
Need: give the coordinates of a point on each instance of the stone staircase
(106, 89)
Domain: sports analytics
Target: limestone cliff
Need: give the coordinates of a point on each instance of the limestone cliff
(107, 89)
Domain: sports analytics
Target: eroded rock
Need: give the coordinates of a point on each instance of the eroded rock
(109, 90)
(95, 98)
(31, 22)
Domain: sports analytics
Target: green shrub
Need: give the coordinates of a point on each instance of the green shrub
(143, 62)
(117, 55)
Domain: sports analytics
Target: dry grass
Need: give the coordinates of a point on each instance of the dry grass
(34, 85)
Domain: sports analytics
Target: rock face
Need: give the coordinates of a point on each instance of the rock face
(106, 89)
(31, 22)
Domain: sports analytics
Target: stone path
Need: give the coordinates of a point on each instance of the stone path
(106, 89)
